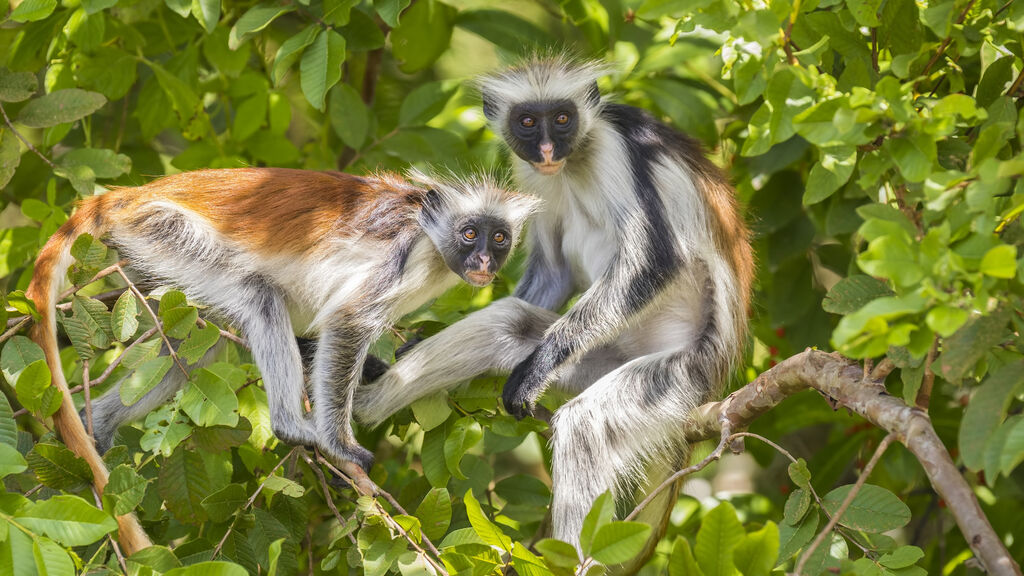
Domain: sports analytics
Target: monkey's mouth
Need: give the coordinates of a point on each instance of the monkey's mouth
(549, 168)
(479, 278)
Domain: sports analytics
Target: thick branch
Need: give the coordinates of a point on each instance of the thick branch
(843, 381)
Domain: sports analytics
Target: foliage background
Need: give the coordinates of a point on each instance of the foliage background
(875, 143)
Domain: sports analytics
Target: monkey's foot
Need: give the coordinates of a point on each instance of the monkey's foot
(407, 347)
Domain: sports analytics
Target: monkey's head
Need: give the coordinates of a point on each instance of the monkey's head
(474, 222)
(543, 109)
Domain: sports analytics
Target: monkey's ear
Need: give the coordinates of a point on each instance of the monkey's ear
(490, 109)
(432, 200)
(593, 95)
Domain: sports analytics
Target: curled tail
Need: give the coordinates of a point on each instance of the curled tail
(51, 267)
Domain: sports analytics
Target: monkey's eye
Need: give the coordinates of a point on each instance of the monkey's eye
(562, 119)
(469, 233)
(499, 237)
(528, 121)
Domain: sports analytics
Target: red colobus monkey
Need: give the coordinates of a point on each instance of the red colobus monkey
(640, 221)
(333, 254)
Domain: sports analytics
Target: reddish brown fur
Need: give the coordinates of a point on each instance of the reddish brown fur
(267, 210)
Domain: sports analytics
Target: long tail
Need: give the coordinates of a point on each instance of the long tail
(51, 266)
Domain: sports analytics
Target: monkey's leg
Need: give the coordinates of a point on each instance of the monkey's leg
(109, 412)
(604, 439)
(267, 327)
(337, 368)
(493, 339)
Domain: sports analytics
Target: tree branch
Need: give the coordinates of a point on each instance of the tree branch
(842, 380)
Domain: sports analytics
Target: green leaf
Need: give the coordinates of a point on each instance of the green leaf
(291, 49)
(1012, 453)
(756, 554)
(987, 408)
(558, 553)
(504, 29)
(57, 467)
(124, 318)
(207, 12)
(483, 527)
(192, 118)
(720, 533)
(254, 20)
(51, 559)
(1000, 262)
(209, 569)
(32, 10)
(874, 509)
(902, 557)
(463, 436)
(103, 163)
(8, 426)
(89, 252)
(289, 488)
(793, 538)
(177, 316)
(124, 491)
(797, 505)
(423, 35)
(18, 353)
(321, 67)
(865, 12)
(681, 562)
(210, 398)
(85, 31)
(914, 155)
(16, 86)
(144, 379)
(10, 156)
(222, 504)
(60, 107)
(799, 473)
(601, 512)
(891, 257)
(946, 320)
(425, 102)
(435, 513)
(11, 461)
(362, 33)
(68, 520)
(963, 350)
(390, 10)
(829, 174)
(199, 341)
(183, 484)
(33, 383)
(108, 70)
(524, 489)
(619, 542)
(350, 118)
(250, 116)
(94, 6)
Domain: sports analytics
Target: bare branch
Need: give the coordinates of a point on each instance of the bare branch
(842, 380)
(845, 503)
(10, 125)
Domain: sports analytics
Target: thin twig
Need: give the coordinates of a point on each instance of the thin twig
(252, 499)
(156, 321)
(924, 394)
(945, 43)
(436, 563)
(87, 397)
(846, 502)
(327, 493)
(394, 503)
(113, 543)
(14, 329)
(225, 334)
(27, 144)
(117, 361)
(882, 370)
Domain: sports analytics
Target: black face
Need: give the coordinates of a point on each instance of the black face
(543, 132)
(479, 249)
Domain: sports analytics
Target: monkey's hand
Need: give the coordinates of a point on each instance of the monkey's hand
(523, 387)
(373, 368)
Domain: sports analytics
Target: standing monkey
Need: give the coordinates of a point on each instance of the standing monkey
(648, 228)
(270, 249)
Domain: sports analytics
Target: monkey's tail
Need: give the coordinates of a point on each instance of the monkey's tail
(51, 266)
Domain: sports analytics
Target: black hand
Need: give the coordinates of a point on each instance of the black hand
(522, 388)
(407, 347)
(373, 368)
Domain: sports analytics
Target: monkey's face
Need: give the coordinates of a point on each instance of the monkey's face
(479, 249)
(543, 133)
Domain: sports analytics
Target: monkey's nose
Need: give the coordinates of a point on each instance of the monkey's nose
(547, 150)
(485, 262)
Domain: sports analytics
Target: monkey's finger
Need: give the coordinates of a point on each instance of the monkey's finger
(407, 347)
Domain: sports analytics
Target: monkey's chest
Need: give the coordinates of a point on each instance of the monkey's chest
(588, 245)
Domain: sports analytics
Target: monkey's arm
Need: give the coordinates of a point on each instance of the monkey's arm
(630, 283)
(547, 281)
